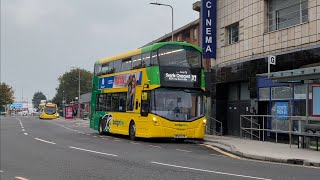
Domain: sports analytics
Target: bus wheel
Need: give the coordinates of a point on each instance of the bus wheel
(132, 131)
(102, 126)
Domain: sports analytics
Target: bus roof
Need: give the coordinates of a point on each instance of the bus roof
(142, 50)
(51, 105)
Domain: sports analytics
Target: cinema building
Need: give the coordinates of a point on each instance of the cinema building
(237, 79)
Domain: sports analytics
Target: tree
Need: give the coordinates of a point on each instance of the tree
(37, 97)
(6, 94)
(68, 85)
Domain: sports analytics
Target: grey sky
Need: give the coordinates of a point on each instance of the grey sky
(41, 39)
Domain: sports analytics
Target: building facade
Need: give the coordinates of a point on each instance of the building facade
(248, 31)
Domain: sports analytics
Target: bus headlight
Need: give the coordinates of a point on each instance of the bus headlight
(155, 121)
(204, 122)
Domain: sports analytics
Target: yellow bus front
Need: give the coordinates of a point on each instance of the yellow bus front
(49, 111)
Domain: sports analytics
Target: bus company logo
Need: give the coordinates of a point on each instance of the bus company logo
(108, 118)
(117, 122)
(181, 125)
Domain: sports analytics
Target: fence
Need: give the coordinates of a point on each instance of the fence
(255, 125)
(211, 130)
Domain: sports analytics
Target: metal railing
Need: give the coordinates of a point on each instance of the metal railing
(273, 124)
(250, 130)
(209, 130)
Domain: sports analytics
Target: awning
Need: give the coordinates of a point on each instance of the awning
(311, 74)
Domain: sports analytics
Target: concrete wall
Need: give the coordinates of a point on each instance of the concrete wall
(255, 41)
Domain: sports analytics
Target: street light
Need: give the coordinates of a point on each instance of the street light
(159, 4)
(78, 90)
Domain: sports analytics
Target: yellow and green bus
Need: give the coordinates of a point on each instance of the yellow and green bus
(152, 92)
(48, 111)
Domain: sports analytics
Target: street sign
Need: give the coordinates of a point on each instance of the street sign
(272, 60)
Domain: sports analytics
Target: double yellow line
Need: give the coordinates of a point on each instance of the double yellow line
(222, 152)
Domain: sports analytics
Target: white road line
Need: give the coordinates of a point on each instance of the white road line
(23, 130)
(204, 170)
(183, 150)
(134, 143)
(155, 146)
(26, 134)
(20, 178)
(107, 154)
(44, 141)
(1, 171)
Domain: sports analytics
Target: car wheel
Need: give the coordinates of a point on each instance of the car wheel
(132, 131)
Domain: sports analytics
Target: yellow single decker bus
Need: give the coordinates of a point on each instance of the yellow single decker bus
(48, 111)
(152, 92)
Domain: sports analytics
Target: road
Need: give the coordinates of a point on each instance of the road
(59, 149)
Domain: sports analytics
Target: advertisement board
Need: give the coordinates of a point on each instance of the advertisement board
(68, 112)
(316, 100)
(120, 81)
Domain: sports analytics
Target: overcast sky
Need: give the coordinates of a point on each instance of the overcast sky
(42, 39)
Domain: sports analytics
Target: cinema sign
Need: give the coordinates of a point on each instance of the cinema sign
(209, 28)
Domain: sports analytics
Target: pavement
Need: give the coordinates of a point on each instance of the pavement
(31, 148)
(266, 151)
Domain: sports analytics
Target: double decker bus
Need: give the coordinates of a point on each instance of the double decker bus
(152, 92)
(48, 111)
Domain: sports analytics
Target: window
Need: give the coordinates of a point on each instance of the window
(264, 94)
(154, 58)
(244, 91)
(178, 38)
(233, 92)
(179, 56)
(136, 62)
(233, 33)
(285, 13)
(101, 102)
(117, 65)
(279, 93)
(115, 102)
(126, 64)
(300, 92)
(195, 34)
(146, 59)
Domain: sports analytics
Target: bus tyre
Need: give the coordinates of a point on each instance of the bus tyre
(102, 126)
(132, 131)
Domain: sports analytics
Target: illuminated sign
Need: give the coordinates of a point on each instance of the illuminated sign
(209, 28)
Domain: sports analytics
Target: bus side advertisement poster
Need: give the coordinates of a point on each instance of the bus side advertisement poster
(180, 77)
(120, 81)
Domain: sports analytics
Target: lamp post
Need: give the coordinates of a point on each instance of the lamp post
(160, 4)
(78, 90)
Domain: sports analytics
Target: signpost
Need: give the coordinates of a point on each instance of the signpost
(271, 60)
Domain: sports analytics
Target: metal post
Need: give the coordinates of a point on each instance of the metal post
(290, 115)
(276, 130)
(251, 128)
(263, 128)
(160, 4)
(79, 96)
(240, 127)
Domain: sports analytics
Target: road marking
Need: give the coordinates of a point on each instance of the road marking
(101, 136)
(44, 141)
(1, 171)
(155, 146)
(26, 134)
(95, 136)
(92, 151)
(23, 130)
(204, 170)
(21, 178)
(183, 150)
(88, 134)
(222, 152)
(117, 140)
(134, 143)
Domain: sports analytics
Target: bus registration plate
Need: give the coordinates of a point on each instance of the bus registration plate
(180, 136)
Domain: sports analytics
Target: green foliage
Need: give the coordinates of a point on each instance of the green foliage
(37, 97)
(68, 85)
(6, 94)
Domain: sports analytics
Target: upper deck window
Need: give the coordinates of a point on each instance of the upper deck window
(179, 56)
